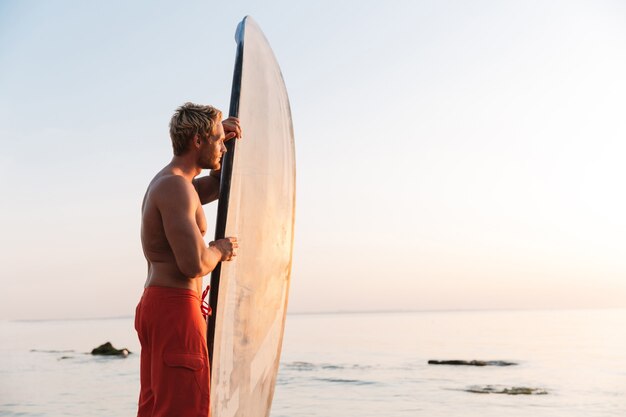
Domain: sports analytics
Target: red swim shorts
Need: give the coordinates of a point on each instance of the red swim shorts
(174, 358)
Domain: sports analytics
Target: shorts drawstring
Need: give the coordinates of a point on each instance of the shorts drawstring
(205, 307)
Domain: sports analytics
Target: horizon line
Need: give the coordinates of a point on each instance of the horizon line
(347, 312)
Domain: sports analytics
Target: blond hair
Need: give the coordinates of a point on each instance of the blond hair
(189, 120)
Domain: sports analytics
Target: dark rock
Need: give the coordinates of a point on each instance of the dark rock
(471, 363)
(493, 389)
(107, 349)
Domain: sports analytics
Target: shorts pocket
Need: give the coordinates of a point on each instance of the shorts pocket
(191, 361)
(183, 384)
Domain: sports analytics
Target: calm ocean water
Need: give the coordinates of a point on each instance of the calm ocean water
(349, 365)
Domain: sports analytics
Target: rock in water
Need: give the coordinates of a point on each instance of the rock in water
(471, 363)
(107, 349)
(493, 389)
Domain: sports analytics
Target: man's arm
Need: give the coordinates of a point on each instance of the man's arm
(208, 187)
(177, 204)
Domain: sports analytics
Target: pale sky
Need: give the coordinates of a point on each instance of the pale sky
(450, 154)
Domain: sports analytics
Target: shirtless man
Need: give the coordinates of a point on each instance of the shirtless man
(168, 319)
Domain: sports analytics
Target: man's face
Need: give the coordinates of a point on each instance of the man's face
(213, 148)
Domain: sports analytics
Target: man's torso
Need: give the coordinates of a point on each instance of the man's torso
(162, 268)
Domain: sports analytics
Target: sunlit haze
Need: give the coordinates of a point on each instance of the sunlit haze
(450, 154)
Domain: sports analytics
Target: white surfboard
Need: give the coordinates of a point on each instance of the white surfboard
(257, 205)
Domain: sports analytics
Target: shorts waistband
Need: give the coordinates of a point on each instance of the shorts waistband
(167, 291)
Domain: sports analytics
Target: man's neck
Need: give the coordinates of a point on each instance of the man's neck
(185, 166)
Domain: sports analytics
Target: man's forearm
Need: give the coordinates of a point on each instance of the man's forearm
(216, 173)
(209, 259)
(208, 187)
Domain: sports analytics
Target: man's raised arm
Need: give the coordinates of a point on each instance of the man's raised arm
(208, 187)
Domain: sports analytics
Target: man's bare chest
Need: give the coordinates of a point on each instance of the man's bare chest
(201, 220)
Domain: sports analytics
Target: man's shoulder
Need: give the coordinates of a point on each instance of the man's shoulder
(171, 186)
(170, 180)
